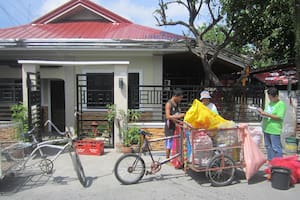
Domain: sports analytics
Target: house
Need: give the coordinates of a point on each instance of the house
(81, 57)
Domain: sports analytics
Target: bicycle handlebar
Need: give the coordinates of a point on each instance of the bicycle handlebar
(142, 132)
(53, 125)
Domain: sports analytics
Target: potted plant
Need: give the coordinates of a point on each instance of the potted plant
(111, 116)
(133, 138)
(129, 134)
(20, 116)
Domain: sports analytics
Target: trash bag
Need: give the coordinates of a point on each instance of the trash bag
(290, 162)
(176, 162)
(199, 116)
(253, 156)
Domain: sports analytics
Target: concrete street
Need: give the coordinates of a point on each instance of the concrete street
(169, 184)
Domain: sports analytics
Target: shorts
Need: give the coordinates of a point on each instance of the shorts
(168, 143)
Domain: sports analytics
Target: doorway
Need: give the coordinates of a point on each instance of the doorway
(57, 93)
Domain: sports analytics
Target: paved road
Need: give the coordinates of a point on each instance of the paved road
(169, 184)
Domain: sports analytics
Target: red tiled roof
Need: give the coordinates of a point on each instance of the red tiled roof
(86, 30)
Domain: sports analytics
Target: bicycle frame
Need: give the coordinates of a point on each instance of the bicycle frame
(45, 144)
(148, 142)
(130, 168)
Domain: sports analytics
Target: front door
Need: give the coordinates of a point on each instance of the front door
(58, 104)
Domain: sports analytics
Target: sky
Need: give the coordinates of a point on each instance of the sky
(20, 12)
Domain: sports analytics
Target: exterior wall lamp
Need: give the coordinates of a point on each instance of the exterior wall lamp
(121, 83)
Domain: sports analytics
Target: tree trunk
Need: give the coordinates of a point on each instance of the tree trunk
(209, 76)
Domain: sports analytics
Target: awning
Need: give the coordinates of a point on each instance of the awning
(278, 77)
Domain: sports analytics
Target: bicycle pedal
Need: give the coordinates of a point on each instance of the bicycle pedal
(148, 172)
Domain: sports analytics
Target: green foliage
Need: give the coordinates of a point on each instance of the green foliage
(265, 26)
(214, 36)
(130, 134)
(20, 115)
(111, 114)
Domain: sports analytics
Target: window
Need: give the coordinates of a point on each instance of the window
(100, 90)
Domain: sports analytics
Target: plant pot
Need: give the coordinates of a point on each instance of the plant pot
(126, 149)
(119, 147)
(135, 148)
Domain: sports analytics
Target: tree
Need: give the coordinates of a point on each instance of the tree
(259, 28)
(202, 49)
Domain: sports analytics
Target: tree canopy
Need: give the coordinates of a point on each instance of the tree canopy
(267, 27)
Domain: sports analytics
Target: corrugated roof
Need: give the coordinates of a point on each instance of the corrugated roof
(86, 30)
(277, 75)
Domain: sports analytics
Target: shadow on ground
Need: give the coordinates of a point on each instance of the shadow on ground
(14, 183)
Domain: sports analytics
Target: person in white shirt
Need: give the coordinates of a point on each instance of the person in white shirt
(205, 99)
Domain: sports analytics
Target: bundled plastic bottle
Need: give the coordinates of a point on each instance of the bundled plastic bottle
(202, 148)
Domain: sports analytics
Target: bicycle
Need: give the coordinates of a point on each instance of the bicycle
(130, 168)
(37, 157)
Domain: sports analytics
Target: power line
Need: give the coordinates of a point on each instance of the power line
(10, 17)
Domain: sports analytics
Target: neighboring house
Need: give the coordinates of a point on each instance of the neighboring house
(81, 57)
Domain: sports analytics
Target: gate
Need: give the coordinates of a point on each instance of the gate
(92, 101)
(34, 101)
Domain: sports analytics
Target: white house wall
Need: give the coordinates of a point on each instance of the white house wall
(150, 69)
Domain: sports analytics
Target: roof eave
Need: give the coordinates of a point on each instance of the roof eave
(93, 44)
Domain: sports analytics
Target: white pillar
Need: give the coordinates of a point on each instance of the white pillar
(25, 69)
(120, 93)
(70, 96)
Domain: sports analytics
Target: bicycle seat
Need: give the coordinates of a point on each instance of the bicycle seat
(142, 132)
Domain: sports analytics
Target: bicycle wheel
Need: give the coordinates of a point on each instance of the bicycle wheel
(46, 166)
(129, 169)
(221, 170)
(78, 168)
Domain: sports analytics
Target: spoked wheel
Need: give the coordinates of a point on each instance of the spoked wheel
(46, 166)
(129, 169)
(78, 168)
(221, 170)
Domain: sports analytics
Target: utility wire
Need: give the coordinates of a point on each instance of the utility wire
(10, 17)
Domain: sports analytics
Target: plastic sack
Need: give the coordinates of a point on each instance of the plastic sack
(290, 162)
(176, 162)
(199, 116)
(188, 145)
(253, 156)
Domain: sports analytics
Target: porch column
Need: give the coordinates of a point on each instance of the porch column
(34, 68)
(70, 98)
(120, 93)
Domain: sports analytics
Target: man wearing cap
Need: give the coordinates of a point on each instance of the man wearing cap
(205, 99)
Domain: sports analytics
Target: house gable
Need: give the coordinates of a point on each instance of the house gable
(80, 10)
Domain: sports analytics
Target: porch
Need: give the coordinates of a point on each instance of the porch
(149, 100)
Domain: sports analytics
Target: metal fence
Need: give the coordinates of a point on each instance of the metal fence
(232, 102)
(10, 94)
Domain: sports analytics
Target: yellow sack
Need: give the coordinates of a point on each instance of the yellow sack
(199, 116)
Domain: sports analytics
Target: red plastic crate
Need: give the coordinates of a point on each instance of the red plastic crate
(90, 147)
